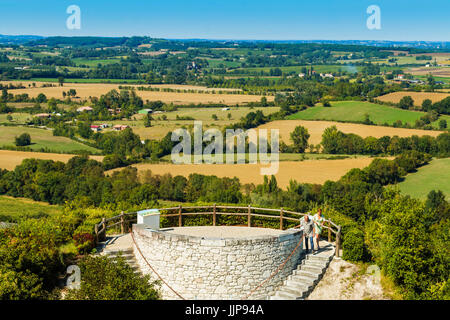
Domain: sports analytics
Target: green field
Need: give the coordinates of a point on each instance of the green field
(434, 176)
(17, 118)
(215, 63)
(94, 62)
(41, 138)
(16, 208)
(355, 111)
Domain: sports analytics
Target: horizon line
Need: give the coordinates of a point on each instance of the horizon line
(216, 39)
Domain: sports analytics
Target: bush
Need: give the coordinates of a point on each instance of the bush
(103, 278)
(20, 285)
(84, 242)
(353, 246)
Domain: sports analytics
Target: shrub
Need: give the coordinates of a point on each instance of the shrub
(353, 246)
(103, 278)
(84, 242)
(20, 285)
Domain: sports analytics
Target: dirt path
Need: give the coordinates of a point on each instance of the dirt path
(345, 281)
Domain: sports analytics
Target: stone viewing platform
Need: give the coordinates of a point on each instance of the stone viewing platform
(217, 262)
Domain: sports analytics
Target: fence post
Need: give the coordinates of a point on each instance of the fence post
(329, 230)
(122, 223)
(281, 219)
(180, 219)
(96, 232)
(104, 231)
(249, 216)
(214, 215)
(338, 241)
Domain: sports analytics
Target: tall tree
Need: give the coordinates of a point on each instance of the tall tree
(300, 138)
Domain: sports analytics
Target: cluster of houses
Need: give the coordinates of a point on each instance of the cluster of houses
(97, 128)
(47, 115)
(323, 75)
(192, 66)
(401, 78)
(117, 127)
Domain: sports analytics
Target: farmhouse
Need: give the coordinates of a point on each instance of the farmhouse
(83, 109)
(326, 75)
(119, 127)
(114, 111)
(96, 128)
(43, 115)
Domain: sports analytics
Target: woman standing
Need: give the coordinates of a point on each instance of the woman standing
(318, 225)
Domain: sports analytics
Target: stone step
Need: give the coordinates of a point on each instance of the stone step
(285, 296)
(306, 273)
(116, 252)
(297, 292)
(309, 271)
(304, 279)
(298, 285)
(313, 269)
(130, 259)
(312, 263)
(318, 257)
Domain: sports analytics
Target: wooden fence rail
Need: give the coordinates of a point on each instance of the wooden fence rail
(124, 219)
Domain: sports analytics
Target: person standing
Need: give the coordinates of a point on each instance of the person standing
(308, 231)
(318, 225)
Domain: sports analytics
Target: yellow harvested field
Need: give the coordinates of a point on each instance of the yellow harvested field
(308, 171)
(418, 97)
(316, 128)
(10, 159)
(86, 90)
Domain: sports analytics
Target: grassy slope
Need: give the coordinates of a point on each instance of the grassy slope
(353, 111)
(19, 207)
(18, 118)
(434, 176)
(42, 139)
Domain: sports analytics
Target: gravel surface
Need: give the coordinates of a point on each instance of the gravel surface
(225, 232)
(344, 281)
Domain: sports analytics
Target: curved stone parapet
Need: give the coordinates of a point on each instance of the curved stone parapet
(222, 267)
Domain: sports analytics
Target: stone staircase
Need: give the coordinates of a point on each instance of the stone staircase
(119, 245)
(308, 273)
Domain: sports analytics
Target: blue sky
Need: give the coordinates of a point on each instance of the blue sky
(232, 19)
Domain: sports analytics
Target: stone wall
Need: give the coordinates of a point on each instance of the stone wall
(218, 269)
